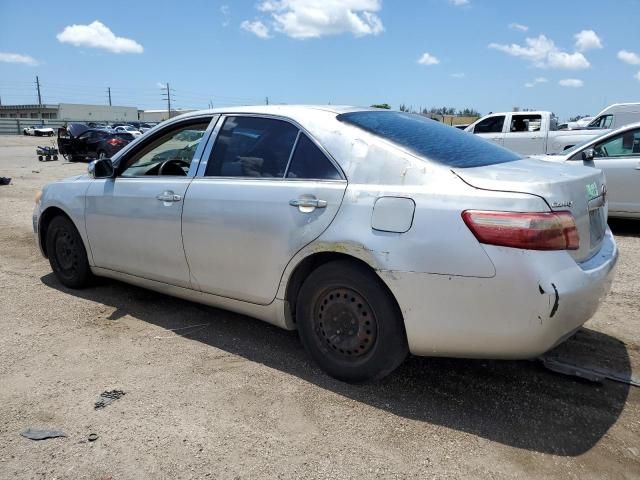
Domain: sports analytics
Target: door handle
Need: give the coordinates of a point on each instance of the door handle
(169, 196)
(308, 203)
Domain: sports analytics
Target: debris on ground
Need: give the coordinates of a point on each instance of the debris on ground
(107, 398)
(596, 375)
(36, 434)
(5, 180)
(92, 437)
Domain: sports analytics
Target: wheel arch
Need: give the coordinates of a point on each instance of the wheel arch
(45, 220)
(310, 263)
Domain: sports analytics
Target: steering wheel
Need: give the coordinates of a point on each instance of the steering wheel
(173, 166)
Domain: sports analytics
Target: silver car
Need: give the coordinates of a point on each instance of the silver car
(373, 233)
(617, 154)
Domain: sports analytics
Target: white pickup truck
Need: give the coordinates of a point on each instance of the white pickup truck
(529, 133)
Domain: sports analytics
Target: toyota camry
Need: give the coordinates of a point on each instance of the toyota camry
(374, 233)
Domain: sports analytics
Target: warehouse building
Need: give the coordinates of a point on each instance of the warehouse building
(70, 111)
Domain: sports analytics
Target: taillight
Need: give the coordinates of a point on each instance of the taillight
(114, 142)
(530, 231)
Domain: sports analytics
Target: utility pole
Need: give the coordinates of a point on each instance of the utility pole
(266, 100)
(39, 96)
(167, 96)
(109, 93)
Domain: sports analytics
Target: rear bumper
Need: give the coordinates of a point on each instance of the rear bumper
(535, 301)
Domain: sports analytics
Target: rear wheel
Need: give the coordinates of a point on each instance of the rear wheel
(67, 255)
(349, 323)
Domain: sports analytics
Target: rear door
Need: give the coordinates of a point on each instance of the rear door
(264, 191)
(619, 158)
(526, 134)
(491, 128)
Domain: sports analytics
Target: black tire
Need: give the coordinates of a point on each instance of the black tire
(67, 255)
(349, 323)
(39, 158)
(51, 134)
(24, 132)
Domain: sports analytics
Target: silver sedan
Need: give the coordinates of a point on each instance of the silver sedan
(373, 233)
(617, 154)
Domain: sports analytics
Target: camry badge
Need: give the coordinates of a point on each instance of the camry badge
(568, 203)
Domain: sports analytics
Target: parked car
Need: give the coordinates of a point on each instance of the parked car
(145, 127)
(580, 124)
(127, 129)
(527, 133)
(40, 131)
(616, 116)
(373, 233)
(78, 142)
(617, 154)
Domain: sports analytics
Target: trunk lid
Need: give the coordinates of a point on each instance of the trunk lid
(577, 189)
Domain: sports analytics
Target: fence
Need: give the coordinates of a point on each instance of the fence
(15, 126)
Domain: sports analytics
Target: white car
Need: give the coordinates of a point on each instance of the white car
(374, 233)
(528, 133)
(128, 129)
(617, 154)
(40, 131)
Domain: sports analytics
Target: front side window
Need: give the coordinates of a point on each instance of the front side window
(169, 154)
(252, 147)
(624, 145)
(490, 125)
(525, 123)
(430, 139)
(604, 121)
(308, 161)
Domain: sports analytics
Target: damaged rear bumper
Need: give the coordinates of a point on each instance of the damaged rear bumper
(535, 301)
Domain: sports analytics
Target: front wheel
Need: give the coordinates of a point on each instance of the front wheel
(67, 255)
(349, 323)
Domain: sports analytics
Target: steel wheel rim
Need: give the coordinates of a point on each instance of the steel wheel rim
(344, 323)
(66, 253)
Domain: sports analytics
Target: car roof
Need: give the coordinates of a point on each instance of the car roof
(292, 111)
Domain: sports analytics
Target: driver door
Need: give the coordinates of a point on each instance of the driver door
(619, 158)
(133, 221)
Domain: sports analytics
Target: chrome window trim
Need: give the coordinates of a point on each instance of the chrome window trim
(223, 116)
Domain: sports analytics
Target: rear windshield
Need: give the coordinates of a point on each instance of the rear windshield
(430, 139)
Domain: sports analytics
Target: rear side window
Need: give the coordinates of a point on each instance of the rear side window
(525, 123)
(430, 139)
(308, 161)
(252, 147)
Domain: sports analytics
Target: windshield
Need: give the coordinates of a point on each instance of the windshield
(430, 139)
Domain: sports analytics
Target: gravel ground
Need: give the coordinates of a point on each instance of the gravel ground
(211, 394)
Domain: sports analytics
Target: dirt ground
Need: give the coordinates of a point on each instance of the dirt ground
(211, 394)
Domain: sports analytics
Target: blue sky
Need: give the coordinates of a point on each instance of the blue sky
(325, 51)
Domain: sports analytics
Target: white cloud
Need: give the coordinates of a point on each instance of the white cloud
(568, 61)
(459, 3)
(428, 59)
(301, 19)
(518, 26)
(637, 76)
(571, 83)
(256, 27)
(457, 75)
(18, 58)
(535, 82)
(98, 35)
(161, 85)
(542, 52)
(226, 12)
(631, 58)
(587, 40)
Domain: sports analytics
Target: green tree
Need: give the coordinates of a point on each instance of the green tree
(386, 106)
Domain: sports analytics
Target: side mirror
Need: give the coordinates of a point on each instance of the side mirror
(101, 168)
(588, 154)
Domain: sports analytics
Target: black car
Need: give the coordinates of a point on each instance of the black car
(77, 141)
